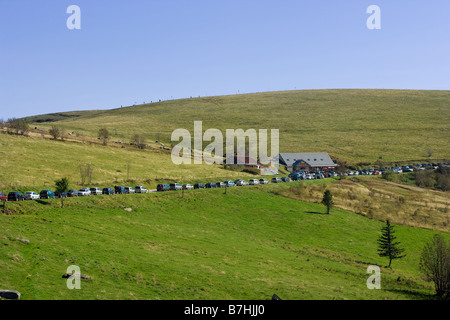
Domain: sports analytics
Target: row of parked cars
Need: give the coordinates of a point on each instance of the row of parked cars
(295, 176)
(220, 184)
(49, 194)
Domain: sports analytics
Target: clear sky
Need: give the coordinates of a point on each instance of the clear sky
(128, 52)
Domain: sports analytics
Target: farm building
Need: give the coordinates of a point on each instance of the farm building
(306, 161)
(242, 161)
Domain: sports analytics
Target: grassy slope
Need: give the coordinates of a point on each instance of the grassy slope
(353, 125)
(379, 199)
(36, 163)
(247, 244)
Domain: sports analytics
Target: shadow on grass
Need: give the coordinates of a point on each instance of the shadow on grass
(410, 294)
(315, 212)
(43, 202)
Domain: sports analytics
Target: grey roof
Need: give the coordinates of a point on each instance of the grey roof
(313, 159)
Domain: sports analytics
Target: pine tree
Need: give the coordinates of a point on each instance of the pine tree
(327, 200)
(387, 247)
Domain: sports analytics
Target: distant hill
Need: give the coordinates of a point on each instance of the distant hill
(357, 126)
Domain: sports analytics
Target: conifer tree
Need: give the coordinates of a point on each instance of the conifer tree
(387, 246)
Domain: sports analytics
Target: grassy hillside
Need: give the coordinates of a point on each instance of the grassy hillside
(358, 126)
(33, 162)
(247, 244)
(376, 198)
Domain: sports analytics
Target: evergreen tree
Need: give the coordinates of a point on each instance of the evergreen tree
(387, 246)
(62, 186)
(327, 200)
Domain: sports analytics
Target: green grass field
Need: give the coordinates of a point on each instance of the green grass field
(246, 244)
(358, 126)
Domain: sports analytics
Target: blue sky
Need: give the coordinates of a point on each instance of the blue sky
(133, 51)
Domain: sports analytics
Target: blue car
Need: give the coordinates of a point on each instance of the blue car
(107, 191)
(210, 185)
(229, 183)
(47, 194)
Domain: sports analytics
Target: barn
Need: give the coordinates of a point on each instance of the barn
(306, 161)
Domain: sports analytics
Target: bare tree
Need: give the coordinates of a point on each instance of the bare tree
(435, 264)
(103, 134)
(139, 140)
(55, 132)
(86, 173)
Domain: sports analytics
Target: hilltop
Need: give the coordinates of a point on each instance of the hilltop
(357, 126)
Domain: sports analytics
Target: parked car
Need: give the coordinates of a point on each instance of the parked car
(72, 193)
(229, 183)
(119, 190)
(241, 182)
(129, 190)
(15, 196)
(60, 194)
(31, 195)
(263, 181)
(199, 186)
(253, 182)
(107, 191)
(95, 191)
(276, 180)
(175, 186)
(285, 179)
(84, 192)
(3, 197)
(210, 185)
(187, 187)
(140, 189)
(220, 185)
(162, 187)
(47, 194)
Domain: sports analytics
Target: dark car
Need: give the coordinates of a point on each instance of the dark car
(199, 186)
(107, 191)
(162, 187)
(72, 193)
(210, 185)
(60, 194)
(47, 194)
(119, 190)
(15, 196)
(3, 197)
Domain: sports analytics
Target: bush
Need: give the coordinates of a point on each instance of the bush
(435, 264)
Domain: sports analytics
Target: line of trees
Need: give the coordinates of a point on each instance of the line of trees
(15, 126)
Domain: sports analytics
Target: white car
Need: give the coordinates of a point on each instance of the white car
(263, 181)
(95, 191)
(253, 182)
(140, 189)
(188, 187)
(129, 190)
(30, 195)
(84, 192)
